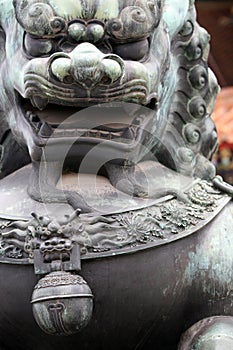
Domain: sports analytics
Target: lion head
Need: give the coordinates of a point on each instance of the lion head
(60, 57)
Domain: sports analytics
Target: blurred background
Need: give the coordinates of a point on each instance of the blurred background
(217, 17)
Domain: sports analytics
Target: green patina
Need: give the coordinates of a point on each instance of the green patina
(68, 9)
(212, 261)
(107, 9)
(174, 14)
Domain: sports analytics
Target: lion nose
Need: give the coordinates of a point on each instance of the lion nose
(87, 66)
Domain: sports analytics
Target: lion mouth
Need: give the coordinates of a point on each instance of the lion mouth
(112, 122)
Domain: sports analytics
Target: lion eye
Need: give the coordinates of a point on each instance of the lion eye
(134, 51)
(37, 47)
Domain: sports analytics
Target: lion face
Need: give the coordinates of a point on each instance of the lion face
(80, 54)
(60, 57)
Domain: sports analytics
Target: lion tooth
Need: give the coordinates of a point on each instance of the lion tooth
(45, 130)
(39, 102)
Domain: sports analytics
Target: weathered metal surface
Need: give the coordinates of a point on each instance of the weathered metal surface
(162, 292)
(209, 334)
(112, 101)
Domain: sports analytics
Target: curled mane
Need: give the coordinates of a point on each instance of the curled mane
(190, 136)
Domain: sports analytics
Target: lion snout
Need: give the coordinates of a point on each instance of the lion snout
(87, 66)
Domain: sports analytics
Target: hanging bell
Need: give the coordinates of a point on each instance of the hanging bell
(62, 303)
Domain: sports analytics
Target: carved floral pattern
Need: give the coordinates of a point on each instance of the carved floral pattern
(19, 239)
(60, 279)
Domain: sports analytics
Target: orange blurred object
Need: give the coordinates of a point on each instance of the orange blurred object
(223, 117)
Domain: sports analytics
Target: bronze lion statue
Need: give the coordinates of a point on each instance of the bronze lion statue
(108, 193)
